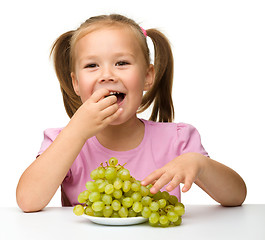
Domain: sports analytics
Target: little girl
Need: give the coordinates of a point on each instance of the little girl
(104, 69)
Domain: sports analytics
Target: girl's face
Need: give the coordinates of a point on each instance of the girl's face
(111, 58)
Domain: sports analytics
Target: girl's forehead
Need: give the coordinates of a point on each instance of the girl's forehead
(115, 36)
(105, 32)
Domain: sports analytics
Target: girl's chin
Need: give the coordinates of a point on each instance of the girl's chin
(123, 119)
(120, 120)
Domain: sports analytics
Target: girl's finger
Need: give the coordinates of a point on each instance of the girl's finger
(187, 184)
(108, 111)
(99, 94)
(106, 102)
(112, 117)
(174, 183)
(151, 178)
(161, 182)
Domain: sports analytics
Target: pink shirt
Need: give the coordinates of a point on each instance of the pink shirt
(162, 142)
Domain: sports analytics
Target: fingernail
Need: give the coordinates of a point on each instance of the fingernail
(153, 190)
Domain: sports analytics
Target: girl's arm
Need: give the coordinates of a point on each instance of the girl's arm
(222, 183)
(42, 178)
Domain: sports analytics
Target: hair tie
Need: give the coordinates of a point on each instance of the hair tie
(144, 32)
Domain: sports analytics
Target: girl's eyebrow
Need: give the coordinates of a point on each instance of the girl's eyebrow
(121, 54)
(118, 54)
(87, 57)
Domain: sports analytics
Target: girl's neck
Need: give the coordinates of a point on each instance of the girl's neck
(123, 137)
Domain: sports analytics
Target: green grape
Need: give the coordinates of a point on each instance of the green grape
(163, 220)
(117, 193)
(132, 179)
(88, 203)
(136, 186)
(98, 206)
(154, 206)
(101, 186)
(178, 222)
(117, 183)
(107, 211)
(146, 212)
(89, 211)
(123, 212)
(109, 189)
(126, 186)
(124, 174)
(154, 218)
(162, 203)
(136, 196)
(180, 205)
(121, 199)
(169, 208)
(144, 191)
(131, 213)
(101, 172)
(165, 195)
(137, 207)
(158, 195)
(107, 199)
(115, 214)
(91, 186)
(149, 186)
(128, 194)
(83, 196)
(110, 173)
(146, 201)
(94, 196)
(157, 224)
(179, 209)
(94, 174)
(165, 225)
(113, 161)
(172, 199)
(98, 214)
(127, 202)
(78, 210)
(99, 181)
(172, 216)
(116, 205)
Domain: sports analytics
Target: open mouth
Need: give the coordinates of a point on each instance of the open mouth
(120, 96)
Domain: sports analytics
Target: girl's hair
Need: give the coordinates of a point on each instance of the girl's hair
(159, 94)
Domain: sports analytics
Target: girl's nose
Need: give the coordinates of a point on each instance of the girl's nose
(107, 75)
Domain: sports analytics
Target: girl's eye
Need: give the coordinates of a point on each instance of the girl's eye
(121, 63)
(91, 65)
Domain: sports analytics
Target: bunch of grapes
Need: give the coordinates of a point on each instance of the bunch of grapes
(115, 193)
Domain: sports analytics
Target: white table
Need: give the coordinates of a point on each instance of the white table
(199, 222)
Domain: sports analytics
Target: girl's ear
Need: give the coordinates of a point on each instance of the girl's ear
(75, 83)
(149, 78)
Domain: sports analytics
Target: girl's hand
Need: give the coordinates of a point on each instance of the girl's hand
(95, 114)
(185, 169)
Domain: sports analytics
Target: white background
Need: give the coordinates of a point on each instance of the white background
(219, 56)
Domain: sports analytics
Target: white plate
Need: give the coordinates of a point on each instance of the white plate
(116, 221)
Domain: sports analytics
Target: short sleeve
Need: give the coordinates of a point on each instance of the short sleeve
(189, 140)
(49, 136)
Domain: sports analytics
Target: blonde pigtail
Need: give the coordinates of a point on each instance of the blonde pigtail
(62, 63)
(161, 92)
